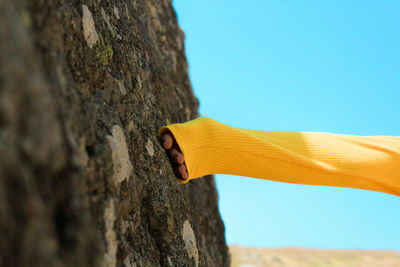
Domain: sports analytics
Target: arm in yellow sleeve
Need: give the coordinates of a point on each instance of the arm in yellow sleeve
(314, 158)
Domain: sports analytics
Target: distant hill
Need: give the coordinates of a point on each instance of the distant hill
(302, 257)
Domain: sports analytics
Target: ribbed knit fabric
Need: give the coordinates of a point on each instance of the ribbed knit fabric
(314, 158)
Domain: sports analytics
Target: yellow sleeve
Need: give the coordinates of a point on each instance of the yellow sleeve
(314, 158)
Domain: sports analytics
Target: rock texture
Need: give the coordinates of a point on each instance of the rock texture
(84, 87)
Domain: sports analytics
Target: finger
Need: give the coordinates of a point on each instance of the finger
(167, 141)
(182, 169)
(185, 174)
(176, 156)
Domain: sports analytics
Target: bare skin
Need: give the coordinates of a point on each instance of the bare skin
(175, 155)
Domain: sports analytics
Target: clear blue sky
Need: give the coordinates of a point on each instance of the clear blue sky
(327, 66)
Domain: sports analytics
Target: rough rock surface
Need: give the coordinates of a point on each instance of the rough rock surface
(84, 87)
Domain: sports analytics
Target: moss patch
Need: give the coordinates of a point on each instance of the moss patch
(104, 52)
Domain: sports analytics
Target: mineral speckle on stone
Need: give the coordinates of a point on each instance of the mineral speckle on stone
(107, 20)
(89, 30)
(131, 126)
(190, 242)
(122, 87)
(116, 12)
(120, 155)
(110, 257)
(150, 147)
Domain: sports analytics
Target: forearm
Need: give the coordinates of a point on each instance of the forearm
(210, 147)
